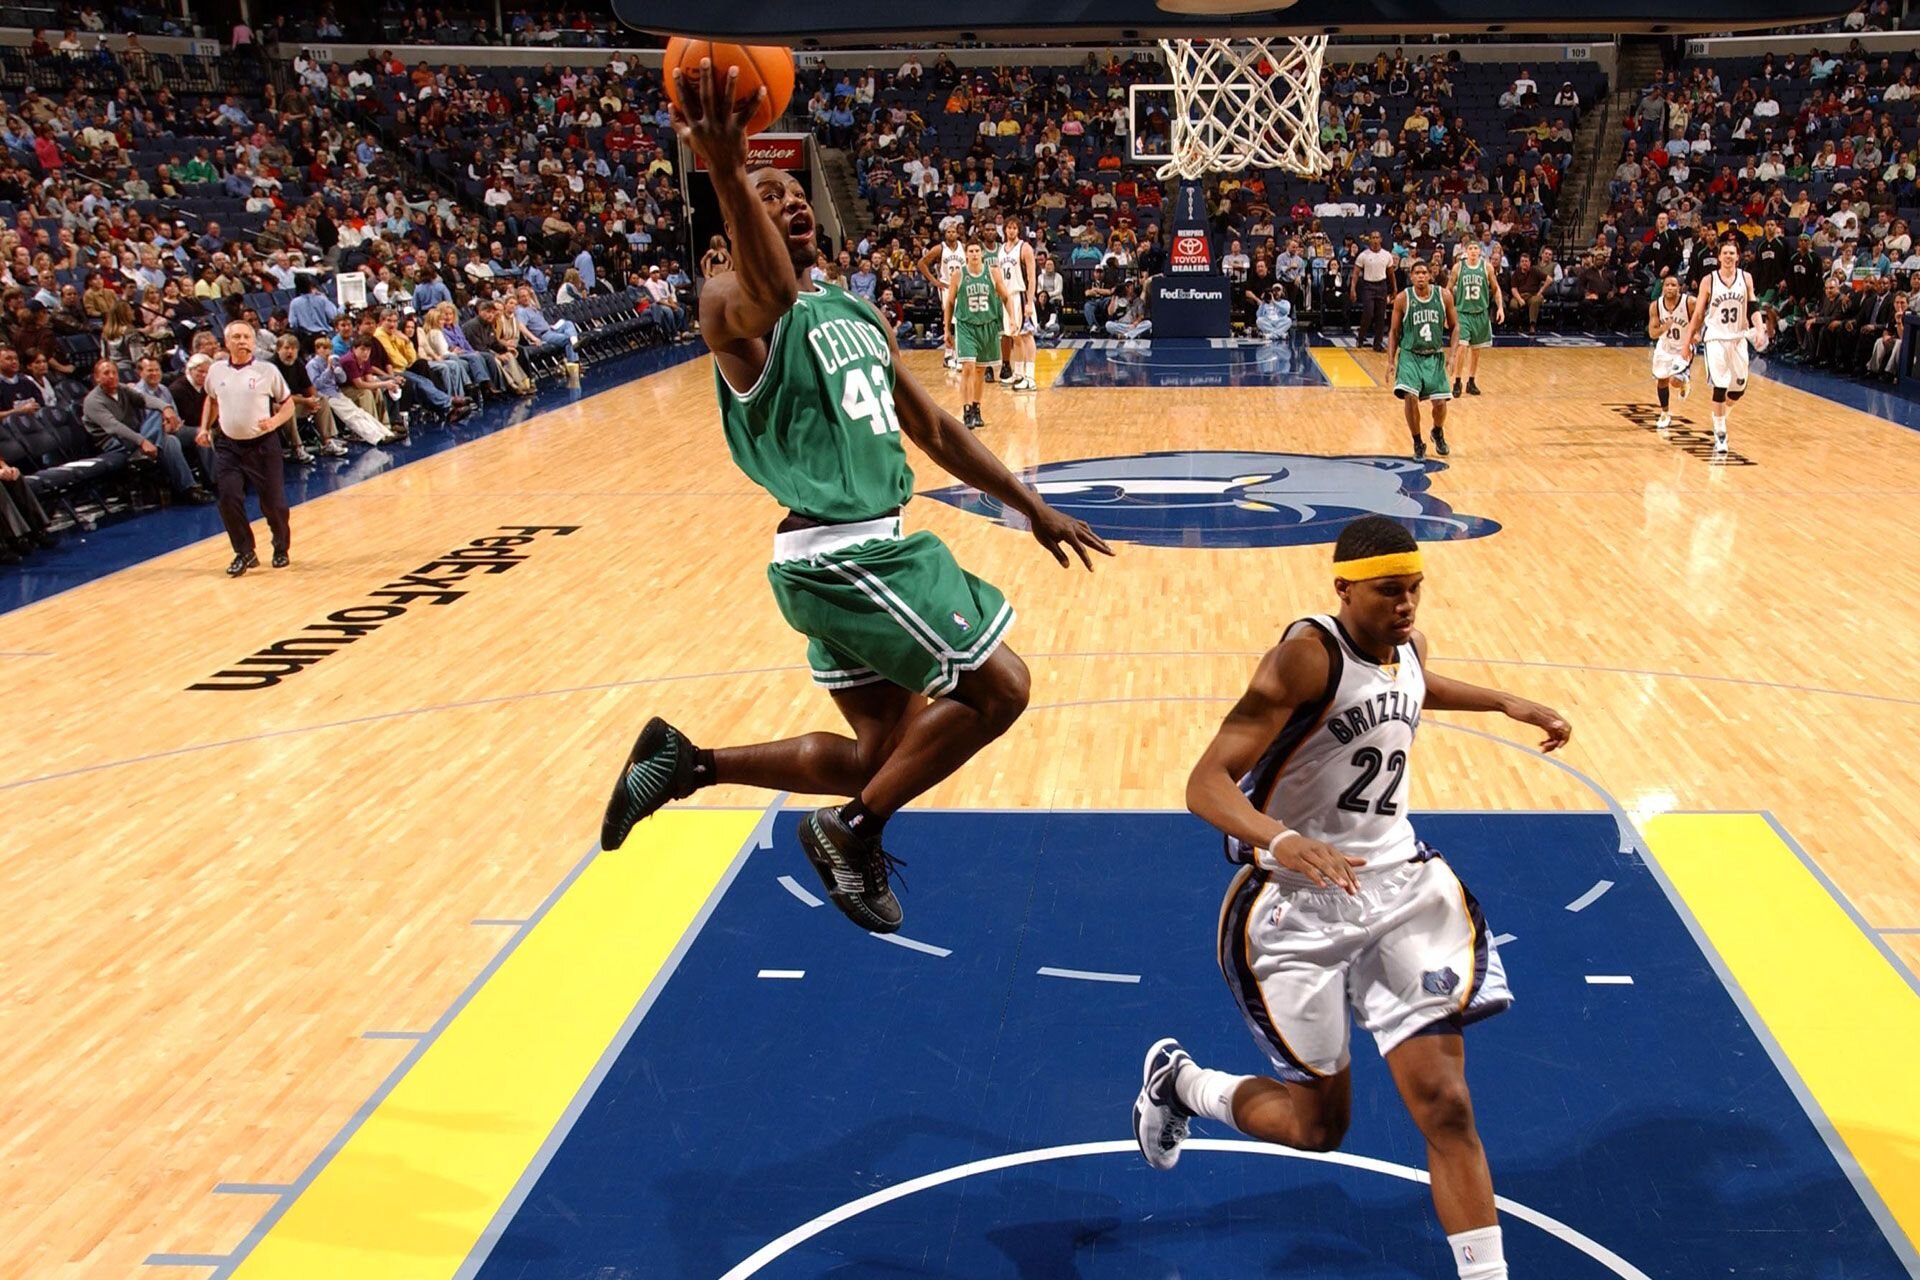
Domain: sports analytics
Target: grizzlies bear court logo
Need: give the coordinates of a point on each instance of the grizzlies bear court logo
(1231, 499)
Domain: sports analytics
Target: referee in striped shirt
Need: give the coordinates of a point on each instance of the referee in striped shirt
(247, 401)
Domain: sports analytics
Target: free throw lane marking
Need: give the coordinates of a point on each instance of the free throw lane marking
(1842, 1014)
(1341, 369)
(1088, 975)
(1591, 896)
(413, 1188)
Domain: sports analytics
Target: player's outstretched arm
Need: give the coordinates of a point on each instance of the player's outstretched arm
(1457, 695)
(746, 302)
(943, 439)
(1697, 320)
(1292, 673)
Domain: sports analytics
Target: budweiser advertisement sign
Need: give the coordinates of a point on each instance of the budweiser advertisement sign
(770, 150)
(1191, 252)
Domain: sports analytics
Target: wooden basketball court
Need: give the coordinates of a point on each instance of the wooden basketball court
(237, 908)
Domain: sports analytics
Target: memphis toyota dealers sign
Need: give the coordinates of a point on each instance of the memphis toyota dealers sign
(1191, 253)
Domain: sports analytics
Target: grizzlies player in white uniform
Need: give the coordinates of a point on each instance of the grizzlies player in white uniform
(1339, 907)
(1726, 295)
(1015, 262)
(948, 259)
(1667, 317)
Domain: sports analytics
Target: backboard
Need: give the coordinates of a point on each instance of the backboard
(818, 23)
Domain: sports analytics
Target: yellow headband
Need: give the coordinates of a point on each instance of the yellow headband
(1397, 565)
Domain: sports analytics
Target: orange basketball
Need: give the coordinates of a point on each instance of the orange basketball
(760, 64)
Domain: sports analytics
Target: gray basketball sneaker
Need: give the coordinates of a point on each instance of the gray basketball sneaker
(1159, 1118)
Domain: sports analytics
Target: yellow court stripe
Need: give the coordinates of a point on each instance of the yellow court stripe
(413, 1188)
(1843, 1015)
(1341, 368)
(1050, 363)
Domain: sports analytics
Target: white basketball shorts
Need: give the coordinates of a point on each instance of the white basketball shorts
(1409, 953)
(1013, 318)
(1671, 362)
(1727, 363)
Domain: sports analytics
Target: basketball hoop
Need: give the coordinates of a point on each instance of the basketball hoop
(1246, 102)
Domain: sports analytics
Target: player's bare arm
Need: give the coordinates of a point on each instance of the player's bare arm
(1444, 694)
(928, 261)
(1694, 321)
(739, 309)
(1499, 298)
(1292, 672)
(942, 438)
(1453, 318)
(1653, 320)
(1393, 329)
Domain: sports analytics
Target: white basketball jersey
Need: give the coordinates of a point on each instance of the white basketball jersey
(1727, 308)
(1673, 324)
(1010, 269)
(1338, 771)
(953, 260)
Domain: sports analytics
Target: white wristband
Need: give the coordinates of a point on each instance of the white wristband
(1270, 863)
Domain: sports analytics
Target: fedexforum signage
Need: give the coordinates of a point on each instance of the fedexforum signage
(439, 582)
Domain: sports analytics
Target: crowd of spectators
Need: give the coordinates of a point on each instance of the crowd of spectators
(136, 221)
(1424, 150)
(476, 23)
(1810, 162)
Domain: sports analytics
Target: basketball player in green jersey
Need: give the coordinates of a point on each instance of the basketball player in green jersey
(1417, 337)
(909, 645)
(975, 304)
(1474, 283)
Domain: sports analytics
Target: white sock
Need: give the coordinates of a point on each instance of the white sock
(1208, 1093)
(1478, 1254)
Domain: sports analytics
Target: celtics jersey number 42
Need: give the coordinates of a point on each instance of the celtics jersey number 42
(818, 429)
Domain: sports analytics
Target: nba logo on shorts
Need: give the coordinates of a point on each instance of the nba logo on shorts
(961, 622)
(1439, 982)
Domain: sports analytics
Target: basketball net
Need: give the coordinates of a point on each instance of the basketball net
(1244, 103)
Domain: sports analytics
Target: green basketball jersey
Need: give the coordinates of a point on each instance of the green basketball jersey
(818, 429)
(1471, 288)
(1425, 327)
(979, 300)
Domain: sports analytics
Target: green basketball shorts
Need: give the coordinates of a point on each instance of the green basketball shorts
(1422, 375)
(1476, 328)
(875, 606)
(979, 343)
